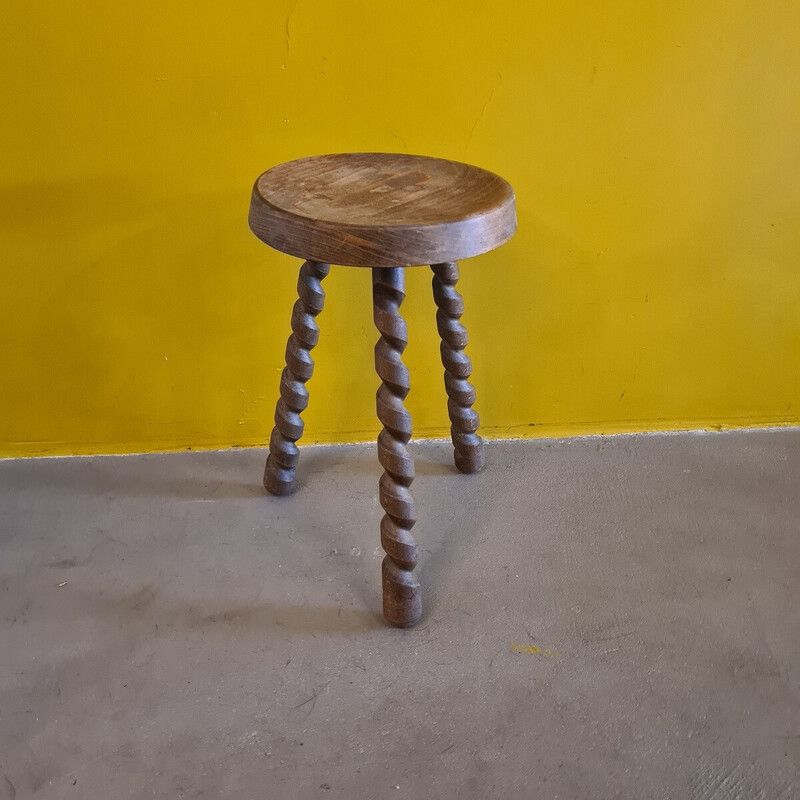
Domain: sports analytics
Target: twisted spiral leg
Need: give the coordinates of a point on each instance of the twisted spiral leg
(467, 444)
(402, 600)
(279, 473)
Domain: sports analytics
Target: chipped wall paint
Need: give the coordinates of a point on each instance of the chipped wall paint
(653, 284)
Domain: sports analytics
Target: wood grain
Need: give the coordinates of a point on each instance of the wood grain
(384, 211)
(381, 209)
(281, 466)
(402, 597)
(467, 445)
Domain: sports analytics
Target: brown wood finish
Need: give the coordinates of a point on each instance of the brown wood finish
(384, 211)
(468, 446)
(381, 209)
(280, 470)
(402, 598)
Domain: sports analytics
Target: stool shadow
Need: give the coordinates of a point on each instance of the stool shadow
(184, 476)
(365, 464)
(172, 476)
(148, 606)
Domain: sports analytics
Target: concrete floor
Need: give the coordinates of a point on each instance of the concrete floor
(605, 617)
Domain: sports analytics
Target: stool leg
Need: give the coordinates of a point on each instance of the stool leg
(467, 444)
(279, 473)
(402, 600)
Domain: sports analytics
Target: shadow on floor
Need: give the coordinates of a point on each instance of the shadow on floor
(191, 479)
(151, 608)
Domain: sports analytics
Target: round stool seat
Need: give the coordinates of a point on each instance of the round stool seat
(381, 209)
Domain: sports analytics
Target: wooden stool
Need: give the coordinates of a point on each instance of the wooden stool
(383, 211)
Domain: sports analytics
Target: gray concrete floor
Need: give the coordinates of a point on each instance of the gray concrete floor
(605, 617)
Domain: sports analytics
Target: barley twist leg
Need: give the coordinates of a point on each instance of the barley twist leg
(402, 601)
(280, 470)
(467, 444)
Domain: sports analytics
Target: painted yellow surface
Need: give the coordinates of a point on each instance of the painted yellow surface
(531, 649)
(654, 148)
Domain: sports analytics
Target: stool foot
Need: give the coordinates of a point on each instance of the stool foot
(280, 470)
(402, 598)
(468, 446)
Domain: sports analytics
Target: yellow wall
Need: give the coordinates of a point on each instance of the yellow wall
(654, 147)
